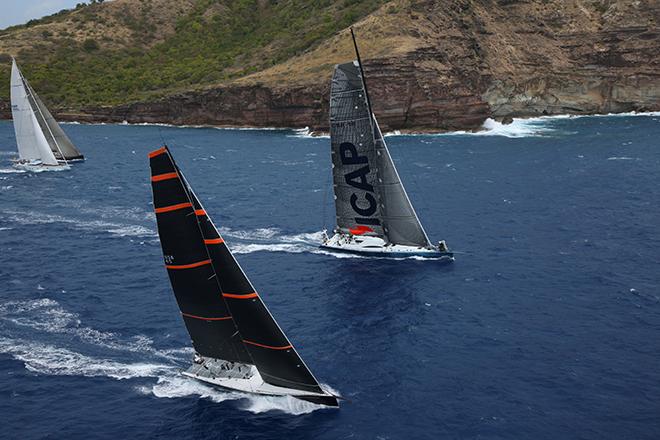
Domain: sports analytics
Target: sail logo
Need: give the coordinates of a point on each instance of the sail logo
(358, 179)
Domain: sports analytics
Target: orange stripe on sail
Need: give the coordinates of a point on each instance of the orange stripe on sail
(200, 212)
(286, 347)
(157, 152)
(214, 241)
(245, 296)
(173, 207)
(188, 266)
(165, 176)
(223, 318)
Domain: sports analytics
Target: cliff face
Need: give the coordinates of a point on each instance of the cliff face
(444, 66)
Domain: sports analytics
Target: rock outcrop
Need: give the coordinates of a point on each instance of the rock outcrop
(448, 65)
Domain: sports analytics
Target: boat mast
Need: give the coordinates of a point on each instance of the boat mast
(364, 80)
(376, 129)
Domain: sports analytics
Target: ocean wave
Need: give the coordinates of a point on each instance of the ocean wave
(306, 133)
(11, 171)
(519, 128)
(622, 158)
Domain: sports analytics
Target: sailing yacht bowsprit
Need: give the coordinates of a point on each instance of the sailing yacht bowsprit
(39, 137)
(374, 214)
(238, 344)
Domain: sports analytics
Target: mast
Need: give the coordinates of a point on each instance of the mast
(369, 195)
(364, 79)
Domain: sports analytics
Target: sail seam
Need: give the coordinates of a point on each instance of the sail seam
(240, 296)
(222, 318)
(165, 176)
(157, 152)
(284, 347)
(188, 266)
(173, 207)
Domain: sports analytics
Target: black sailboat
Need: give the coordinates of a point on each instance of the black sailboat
(238, 344)
(374, 214)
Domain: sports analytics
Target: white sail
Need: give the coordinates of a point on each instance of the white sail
(23, 115)
(32, 144)
(45, 153)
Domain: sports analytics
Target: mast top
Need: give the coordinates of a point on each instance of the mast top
(364, 79)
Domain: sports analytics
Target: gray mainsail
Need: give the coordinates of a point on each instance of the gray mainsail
(353, 155)
(59, 142)
(57, 138)
(369, 196)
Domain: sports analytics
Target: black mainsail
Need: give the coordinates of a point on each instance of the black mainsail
(369, 196)
(224, 315)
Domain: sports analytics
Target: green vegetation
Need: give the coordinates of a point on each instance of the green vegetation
(218, 41)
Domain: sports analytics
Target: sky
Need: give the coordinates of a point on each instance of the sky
(20, 11)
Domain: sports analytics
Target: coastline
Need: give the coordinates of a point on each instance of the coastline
(512, 127)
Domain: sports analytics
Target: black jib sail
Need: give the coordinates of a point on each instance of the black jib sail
(369, 196)
(207, 280)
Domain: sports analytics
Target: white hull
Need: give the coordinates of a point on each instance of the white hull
(246, 378)
(376, 246)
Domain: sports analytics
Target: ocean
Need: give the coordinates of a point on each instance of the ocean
(547, 325)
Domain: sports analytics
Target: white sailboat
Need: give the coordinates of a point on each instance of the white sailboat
(40, 139)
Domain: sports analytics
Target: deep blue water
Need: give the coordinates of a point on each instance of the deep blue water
(547, 325)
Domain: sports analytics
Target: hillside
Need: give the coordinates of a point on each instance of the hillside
(432, 65)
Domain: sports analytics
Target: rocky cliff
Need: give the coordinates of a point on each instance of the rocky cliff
(437, 66)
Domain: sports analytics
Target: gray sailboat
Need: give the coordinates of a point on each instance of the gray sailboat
(374, 214)
(39, 137)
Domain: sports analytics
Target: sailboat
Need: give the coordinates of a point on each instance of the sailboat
(238, 344)
(374, 214)
(40, 139)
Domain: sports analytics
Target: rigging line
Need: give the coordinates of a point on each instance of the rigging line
(324, 202)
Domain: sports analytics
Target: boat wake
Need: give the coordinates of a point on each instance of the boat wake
(87, 225)
(46, 316)
(30, 168)
(12, 171)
